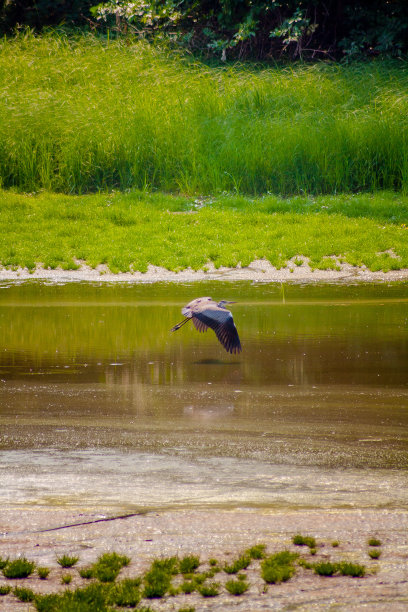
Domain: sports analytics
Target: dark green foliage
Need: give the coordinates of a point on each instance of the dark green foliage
(188, 586)
(260, 28)
(108, 566)
(86, 572)
(374, 542)
(43, 572)
(241, 563)
(213, 562)
(189, 564)
(158, 578)
(126, 593)
(300, 540)
(279, 567)
(257, 551)
(374, 553)
(89, 599)
(5, 589)
(351, 569)
(236, 587)
(212, 589)
(67, 561)
(66, 579)
(24, 594)
(325, 568)
(3, 563)
(19, 568)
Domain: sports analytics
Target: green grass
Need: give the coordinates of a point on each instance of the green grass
(374, 553)
(129, 231)
(18, 568)
(67, 561)
(43, 572)
(84, 114)
(236, 587)
(278, 567)
(241, 563)
(374, 542)
(108, 566)
(300, 540)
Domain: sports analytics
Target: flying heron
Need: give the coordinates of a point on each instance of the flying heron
(205, 313)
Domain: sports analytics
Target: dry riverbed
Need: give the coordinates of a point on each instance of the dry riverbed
(42, 534)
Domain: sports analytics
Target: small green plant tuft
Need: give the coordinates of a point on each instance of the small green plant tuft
(335, 543)
(236, 587)
(212, 589)
(188, 586)
(374, 553)
(19, 568)
(189, 609)
(213, 562)
(257, 551)
(158, 578)
(126, 593)
(278, 567)
(325, 568)
(352, 569)
(5, 589)
(300, 540)
(241, 563)
(43, 572)
(374, 542)
(108, 566)
(66, 579)
(24, 594)
(188, 564)
(67, 561)
(86, 572)
(3, 563)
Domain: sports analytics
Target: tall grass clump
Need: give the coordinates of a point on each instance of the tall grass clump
(83, 114)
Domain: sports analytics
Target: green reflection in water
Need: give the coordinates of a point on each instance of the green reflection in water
(292, 334)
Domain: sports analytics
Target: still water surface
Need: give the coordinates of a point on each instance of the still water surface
(101, 406)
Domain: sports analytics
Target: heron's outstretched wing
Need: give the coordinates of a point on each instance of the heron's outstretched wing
(221, 321)
(202, 327)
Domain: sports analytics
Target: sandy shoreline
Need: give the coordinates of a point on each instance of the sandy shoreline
(222, 534)
(257, 271)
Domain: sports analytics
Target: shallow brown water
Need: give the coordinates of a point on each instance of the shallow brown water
(102, 406)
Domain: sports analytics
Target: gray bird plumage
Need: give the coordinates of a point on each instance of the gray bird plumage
(205, 313)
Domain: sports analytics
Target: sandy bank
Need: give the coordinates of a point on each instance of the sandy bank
(222, 534)
(257, 271)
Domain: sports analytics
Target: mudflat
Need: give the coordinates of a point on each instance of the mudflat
(43, 533)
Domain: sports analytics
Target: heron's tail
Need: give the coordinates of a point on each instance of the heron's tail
(176, 327)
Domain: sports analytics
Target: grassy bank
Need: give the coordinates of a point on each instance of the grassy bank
(82, 114)
(130, 231)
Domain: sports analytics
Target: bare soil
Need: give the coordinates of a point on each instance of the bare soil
(42, 534)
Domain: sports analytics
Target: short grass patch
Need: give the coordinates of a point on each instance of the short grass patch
(18, 568)
(362, 229)
(278, 567)
(43, 572)
(236, 587)
(374, 542)
(374, 553)
(300, 540)
(67, 561)
(211, 589)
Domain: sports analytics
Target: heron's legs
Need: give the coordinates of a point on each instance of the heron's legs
(176, 327)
